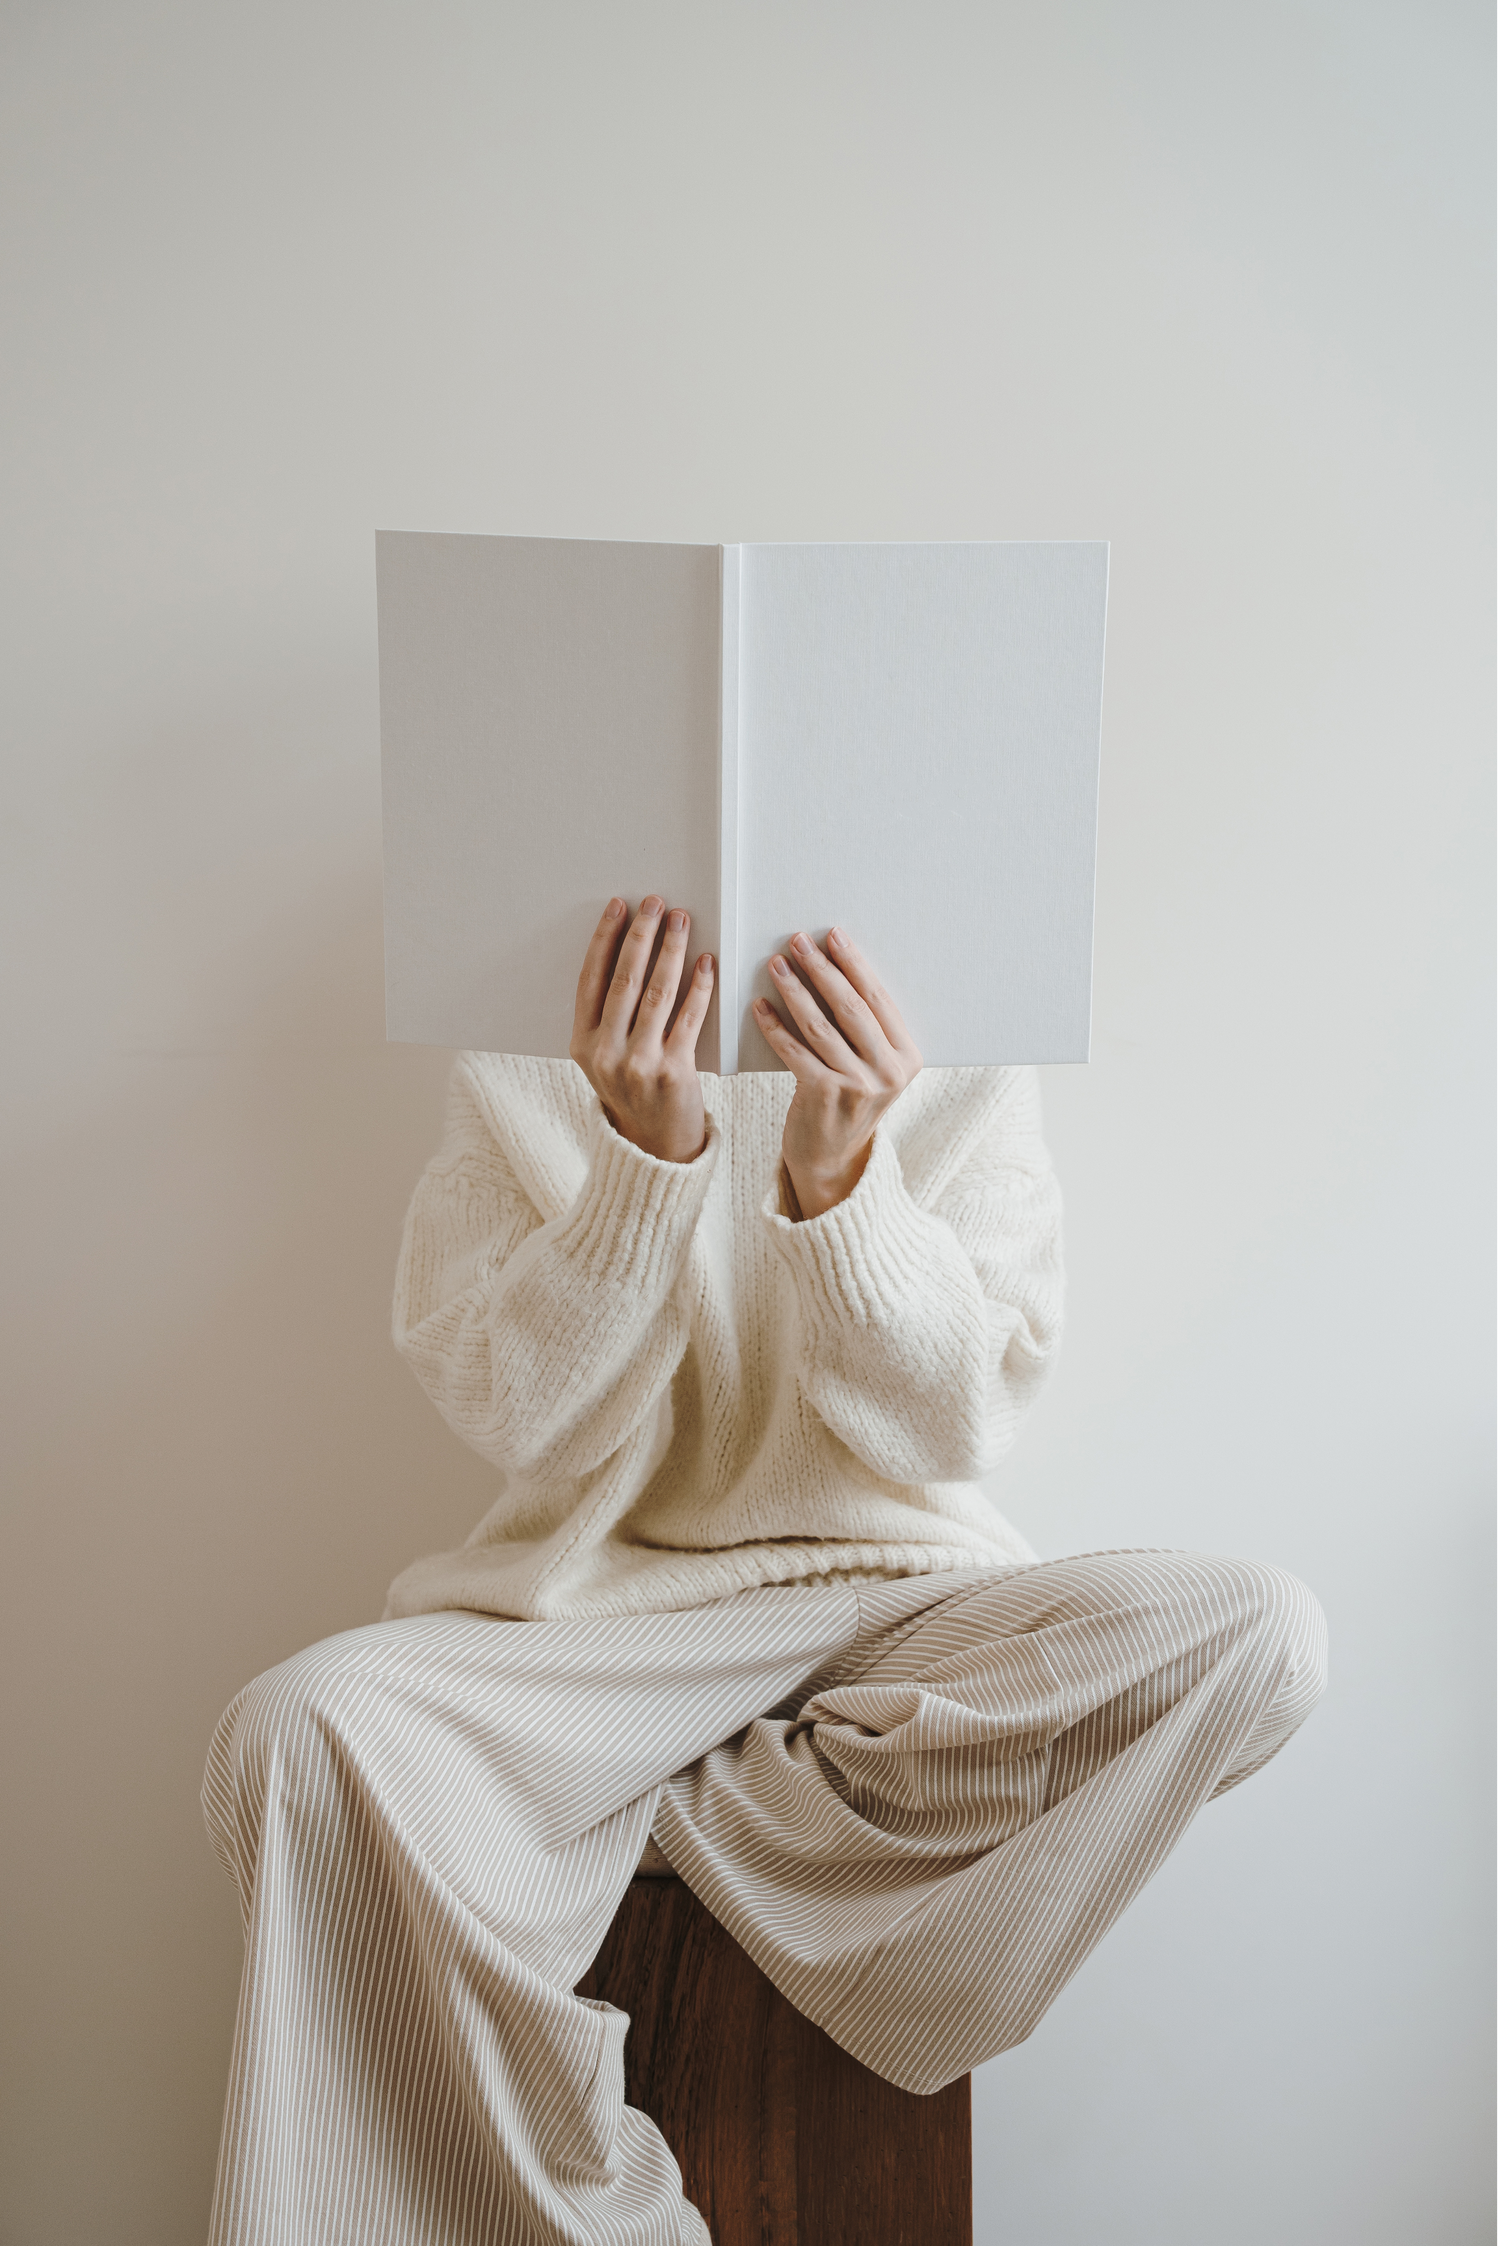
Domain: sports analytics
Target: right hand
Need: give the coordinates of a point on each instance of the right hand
(646, 1079)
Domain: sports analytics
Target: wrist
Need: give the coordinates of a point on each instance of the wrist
(817, 1188)
(674, 1146)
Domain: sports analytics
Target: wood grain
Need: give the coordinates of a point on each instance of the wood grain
(782, 2138)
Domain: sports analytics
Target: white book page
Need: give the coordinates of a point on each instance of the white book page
(549, 714)
(918, 762)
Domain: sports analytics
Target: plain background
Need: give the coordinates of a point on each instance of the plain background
(1211, 281)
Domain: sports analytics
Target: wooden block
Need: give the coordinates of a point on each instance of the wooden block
(782, 2138)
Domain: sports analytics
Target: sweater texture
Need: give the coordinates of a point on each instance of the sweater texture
(689, 1395)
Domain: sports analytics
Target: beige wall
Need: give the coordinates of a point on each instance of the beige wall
(1207, 280)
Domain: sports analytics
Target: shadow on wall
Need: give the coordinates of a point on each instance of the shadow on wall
(221, 1458)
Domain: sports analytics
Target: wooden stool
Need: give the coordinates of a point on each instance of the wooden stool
(782, 2138)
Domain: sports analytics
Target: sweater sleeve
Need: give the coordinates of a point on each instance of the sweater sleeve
(926, 1332)
(545, 1344)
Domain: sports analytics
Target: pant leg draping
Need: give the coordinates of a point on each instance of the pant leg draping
(430, 1823)
(962, 1782)
(923, 1854)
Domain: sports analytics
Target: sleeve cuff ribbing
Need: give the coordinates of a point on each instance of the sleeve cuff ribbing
(855, 1262)
(636, 1214)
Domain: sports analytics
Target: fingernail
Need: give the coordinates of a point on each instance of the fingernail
(650, 907)
(837, 936)
(800, 944)
(706, 964)
(614, 908)
(779, 967)
(677, 921)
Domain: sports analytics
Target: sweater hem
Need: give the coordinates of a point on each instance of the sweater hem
(679, 1583)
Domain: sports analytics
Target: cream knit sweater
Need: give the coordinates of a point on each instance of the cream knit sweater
(686, 1393)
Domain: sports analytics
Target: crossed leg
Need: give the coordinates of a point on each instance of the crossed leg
(925, 1850)
(430, 1823)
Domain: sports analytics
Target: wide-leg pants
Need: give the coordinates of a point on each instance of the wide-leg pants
(918, 1805)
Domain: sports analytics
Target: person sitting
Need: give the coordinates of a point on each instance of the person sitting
(742, 1351)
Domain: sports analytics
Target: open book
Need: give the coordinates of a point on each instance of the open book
(902, 739)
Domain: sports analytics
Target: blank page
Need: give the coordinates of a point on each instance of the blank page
(918, 762)
(549, 716)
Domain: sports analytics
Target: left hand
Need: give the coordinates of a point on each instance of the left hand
(849, 1068)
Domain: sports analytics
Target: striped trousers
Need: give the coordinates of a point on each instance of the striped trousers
(917, 1805)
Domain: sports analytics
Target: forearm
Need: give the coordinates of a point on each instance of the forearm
(552, 1356)
(922, 1348)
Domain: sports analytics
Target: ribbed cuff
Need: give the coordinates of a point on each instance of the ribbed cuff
(636, 1214)
(856, 1261)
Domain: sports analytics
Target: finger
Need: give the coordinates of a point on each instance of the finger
(852, 963)
(598, 961)
(787, 1045)
(856, 1023)
(658, 995)
(621, 997)
(820, 1035)
(684, 1036)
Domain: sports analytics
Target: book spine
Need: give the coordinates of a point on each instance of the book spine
(730, 995)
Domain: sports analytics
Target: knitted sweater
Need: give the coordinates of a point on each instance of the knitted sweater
(686, 1393)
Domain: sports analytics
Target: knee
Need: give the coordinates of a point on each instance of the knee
(283, 1722)
(277, 1747)
(1283, 1615)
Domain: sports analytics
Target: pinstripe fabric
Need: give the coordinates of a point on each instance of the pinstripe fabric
(961, 1782)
